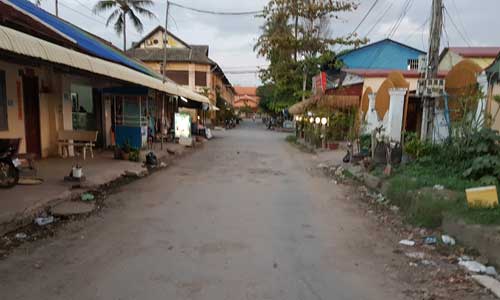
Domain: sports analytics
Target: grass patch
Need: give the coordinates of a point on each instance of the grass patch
(292, 139)
(485, 216)
(411, 188)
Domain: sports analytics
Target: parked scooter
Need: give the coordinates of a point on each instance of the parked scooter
(9, 163)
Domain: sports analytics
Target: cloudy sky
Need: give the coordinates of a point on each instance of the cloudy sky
(231, 38)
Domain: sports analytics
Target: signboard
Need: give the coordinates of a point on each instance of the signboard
(182, 122)
(319, 83)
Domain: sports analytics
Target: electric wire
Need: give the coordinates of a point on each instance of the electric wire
(460, 21)
(379, 20)
(456, 27)
(212, 12)
(404, 12)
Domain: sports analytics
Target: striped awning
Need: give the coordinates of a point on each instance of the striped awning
(27, 45)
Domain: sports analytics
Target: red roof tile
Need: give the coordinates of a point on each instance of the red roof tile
(488, 52)
(246, 90)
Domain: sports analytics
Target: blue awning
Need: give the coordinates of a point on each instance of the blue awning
(84, 40)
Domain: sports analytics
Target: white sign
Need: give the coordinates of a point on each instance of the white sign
(182, 122)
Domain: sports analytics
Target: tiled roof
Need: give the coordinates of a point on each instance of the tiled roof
(246, 90)
(475, 51)
(196, 54)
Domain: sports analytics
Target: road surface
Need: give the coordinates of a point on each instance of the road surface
(242, 218)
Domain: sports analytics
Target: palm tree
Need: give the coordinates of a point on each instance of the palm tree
(122, 9)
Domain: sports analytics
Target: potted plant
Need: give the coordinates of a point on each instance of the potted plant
(134, 155)
(126, 148)
(331, 135)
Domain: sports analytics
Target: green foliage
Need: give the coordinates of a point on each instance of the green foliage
(482, 154)
(123, 9)
(296, 40)
(341, 125)
(126, 148)
(427, 209)
(134, 155)
(415, 147)
(291, 139)
(246, 109)
(365, 142)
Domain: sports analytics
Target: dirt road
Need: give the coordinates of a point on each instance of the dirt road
(243, 218)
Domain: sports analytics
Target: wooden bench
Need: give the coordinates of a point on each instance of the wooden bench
(77, 138)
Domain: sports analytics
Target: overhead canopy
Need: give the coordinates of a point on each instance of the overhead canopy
(24, 44)
(79, 37)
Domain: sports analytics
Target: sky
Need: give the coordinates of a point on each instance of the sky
(231, 38)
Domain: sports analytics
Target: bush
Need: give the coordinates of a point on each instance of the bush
(415, 147)
(134, 155)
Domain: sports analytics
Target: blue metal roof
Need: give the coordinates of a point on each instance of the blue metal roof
(384, 54)
(84, 40)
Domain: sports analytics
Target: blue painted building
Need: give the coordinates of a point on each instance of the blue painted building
(384, 54)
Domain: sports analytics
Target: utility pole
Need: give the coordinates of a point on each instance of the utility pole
(57, 8)
(165, 42)
(432, 67)
(164, 71)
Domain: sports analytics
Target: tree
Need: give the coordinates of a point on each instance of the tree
(296, 40)
(123, 9)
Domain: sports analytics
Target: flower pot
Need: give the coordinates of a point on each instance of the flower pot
(125, 156)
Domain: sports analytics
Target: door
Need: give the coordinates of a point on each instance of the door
(32, 115)
(99, 117)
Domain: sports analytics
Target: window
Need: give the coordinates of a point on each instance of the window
(413, 64)
(200, 78)
(179, 77)
(4, 121)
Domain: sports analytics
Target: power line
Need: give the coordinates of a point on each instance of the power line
(91, 17)
(405, 10)
(379, 19)
(464, 29)
(418, 29)
(456, 27)
(241, 72)
(90, 9)
(82, 14)
(365, 16)
(212, 12)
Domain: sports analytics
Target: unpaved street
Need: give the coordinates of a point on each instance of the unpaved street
(242, 218)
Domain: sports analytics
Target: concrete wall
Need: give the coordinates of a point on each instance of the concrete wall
(451, 59)
(54, 102)
(49, 101)
(376, 82)
(156, 41)
(493, 107)
(15, 112)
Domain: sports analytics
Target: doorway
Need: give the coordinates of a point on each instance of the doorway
(32, 115)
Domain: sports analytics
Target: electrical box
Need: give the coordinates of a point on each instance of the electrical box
(430, 87)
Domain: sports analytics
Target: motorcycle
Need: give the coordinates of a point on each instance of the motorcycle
(9, 162)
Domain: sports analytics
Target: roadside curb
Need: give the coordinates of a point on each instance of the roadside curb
(26, 217)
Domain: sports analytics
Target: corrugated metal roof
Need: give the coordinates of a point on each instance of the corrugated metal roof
(84, 40)
(24, 44)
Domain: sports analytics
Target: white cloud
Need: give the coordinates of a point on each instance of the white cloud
(231, 39)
